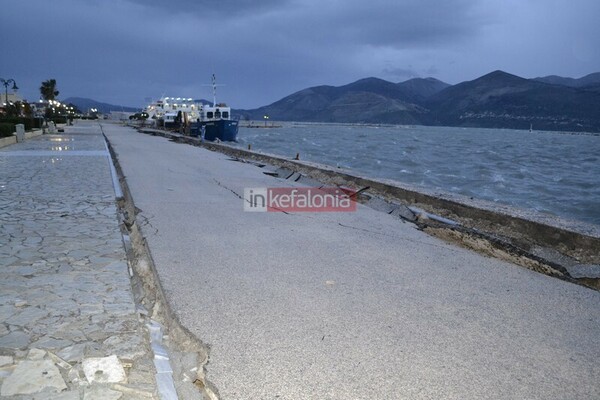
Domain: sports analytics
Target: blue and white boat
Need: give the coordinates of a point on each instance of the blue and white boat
(215, 122)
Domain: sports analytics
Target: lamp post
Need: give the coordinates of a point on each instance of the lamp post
(7, 82)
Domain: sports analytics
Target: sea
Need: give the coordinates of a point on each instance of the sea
(556, 173)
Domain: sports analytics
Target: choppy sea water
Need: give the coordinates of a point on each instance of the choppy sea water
(549, 172)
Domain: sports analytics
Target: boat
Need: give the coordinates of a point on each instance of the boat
(215, 122)
(211, 122)
(167, 111)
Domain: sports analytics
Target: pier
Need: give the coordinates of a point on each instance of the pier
(345, 305)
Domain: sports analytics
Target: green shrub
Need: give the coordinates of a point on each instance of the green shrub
(29, 123)
(6, 129)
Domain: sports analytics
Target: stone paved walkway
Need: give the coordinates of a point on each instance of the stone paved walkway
(68, 322)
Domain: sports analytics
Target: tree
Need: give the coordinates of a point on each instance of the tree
(48, 89)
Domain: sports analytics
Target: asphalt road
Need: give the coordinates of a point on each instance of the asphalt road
(348, 305)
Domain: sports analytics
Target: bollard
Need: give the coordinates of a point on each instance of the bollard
(20, 132)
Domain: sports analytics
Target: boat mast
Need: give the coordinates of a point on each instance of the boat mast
(214, 85)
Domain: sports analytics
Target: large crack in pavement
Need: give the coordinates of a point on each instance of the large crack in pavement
(188, 355)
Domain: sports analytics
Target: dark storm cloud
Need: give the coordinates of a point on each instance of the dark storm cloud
(223, 8)
(404, 24)
(123, 51)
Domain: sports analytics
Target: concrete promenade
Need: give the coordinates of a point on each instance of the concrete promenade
(68, 323)
(347, 305)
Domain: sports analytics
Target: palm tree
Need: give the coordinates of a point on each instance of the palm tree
(48, 89)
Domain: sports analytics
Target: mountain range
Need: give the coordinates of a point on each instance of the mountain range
(587, 80)
(495, 100)
(85, 104)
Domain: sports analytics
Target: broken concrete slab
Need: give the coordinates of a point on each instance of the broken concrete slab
(584, 271)
(104, 370)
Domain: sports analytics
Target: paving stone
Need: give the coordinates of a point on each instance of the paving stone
(5, 360)
(36, 354)
(138, 391)
(98, 335)
(32, 377)
(15, 340)
(125, 346)
(90, 309)
(6, 311)
(74, 335)
(27, 270)
(101, 393)
(27, 316)
(51, 343)
(70, 395)
(73, 353)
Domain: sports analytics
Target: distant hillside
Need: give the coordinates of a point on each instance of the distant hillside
(495, 100)
(369, 100)
(591, 79)
(420, 89)
(502, 100)
(85, 104)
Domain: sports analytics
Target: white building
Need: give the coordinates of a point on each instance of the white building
(12, 97)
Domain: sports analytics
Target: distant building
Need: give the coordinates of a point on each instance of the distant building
(39, 108)
(12, 98)
(119, 115)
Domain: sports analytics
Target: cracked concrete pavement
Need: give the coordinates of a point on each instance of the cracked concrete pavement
(348, 305)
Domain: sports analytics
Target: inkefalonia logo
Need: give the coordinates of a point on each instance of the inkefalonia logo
(299, 199)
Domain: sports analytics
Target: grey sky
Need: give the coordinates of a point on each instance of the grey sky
(124, 51)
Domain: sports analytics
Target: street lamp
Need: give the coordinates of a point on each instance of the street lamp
(7, 82)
